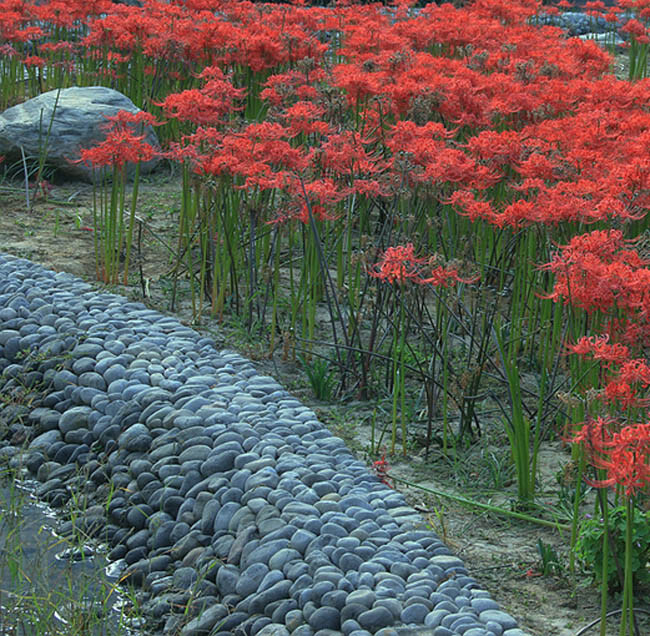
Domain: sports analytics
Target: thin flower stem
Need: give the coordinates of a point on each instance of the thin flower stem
(129, 236)
(560, 527)
(604, 582)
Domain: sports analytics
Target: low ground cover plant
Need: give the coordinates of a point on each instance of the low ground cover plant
(448, 204)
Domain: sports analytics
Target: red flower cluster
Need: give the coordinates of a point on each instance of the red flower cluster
(381, 469)
(121, 145)
(596, 271)
(624, 454)
(207, 105)
(624, 377)
(399, 265)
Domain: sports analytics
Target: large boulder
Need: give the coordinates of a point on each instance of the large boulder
(79, 122)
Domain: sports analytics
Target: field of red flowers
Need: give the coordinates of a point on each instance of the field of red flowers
(440, 212)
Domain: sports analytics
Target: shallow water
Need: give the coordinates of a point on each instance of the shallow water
(49, 585)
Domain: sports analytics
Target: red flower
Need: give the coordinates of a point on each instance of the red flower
(399, 264)
(206, 105)
(624, 454)
(304, 117)
(121, 145)
(381, 469)
(634, 28)
(599, 347)
(446, 277)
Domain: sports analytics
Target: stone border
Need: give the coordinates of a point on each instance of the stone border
(226, 492)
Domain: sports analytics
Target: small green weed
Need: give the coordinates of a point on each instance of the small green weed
(321, 377)
(589, 546)
(550, 561)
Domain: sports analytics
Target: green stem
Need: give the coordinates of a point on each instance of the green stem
(483, 506)
(576, 512)
(604, 585)
(129, 236)
(627, 618)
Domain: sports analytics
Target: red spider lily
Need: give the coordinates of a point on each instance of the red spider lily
(447, 277)
(127, 120)
(422, 143)
(499, 148)
(121, 145)
(398, 265)
(259, 153)
(625, 378)
(345, 154)
(34, 60)
(624, 454)
(596, 8)
(634, 28)
(304, 117)
(119, 148)
(323, 194)
(286, 88)
(381, 468)
(601, 349)
(595, 272)
(629, 332)
(65, 14)
(207, 105)
(468, 205)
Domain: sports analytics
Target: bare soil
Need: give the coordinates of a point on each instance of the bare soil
(500, 552)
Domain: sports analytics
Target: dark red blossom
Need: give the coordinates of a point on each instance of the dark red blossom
(207, 105)
(595, 271)
(381, 469)
(119, 148)
(624, 454)
(400, 264)
(122, 145)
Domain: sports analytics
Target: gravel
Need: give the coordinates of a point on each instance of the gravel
(231, 505)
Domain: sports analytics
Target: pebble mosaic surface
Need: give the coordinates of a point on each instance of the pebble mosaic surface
(228, 493)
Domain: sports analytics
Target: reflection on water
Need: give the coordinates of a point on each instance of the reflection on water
(49, 584)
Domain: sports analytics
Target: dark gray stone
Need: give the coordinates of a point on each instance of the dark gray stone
(184, 577)
(219, 462)
(136, 438)
(363, 597)
(205, 621)
(74, 418)
(193, 453)
(45, 440)
(325, 618)
(483, 604)
(414, 613)
(375, 618)
(275, 593)
(224, 515)
(498, 616)
(227, 578)
(251, 578)
(273, 629)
